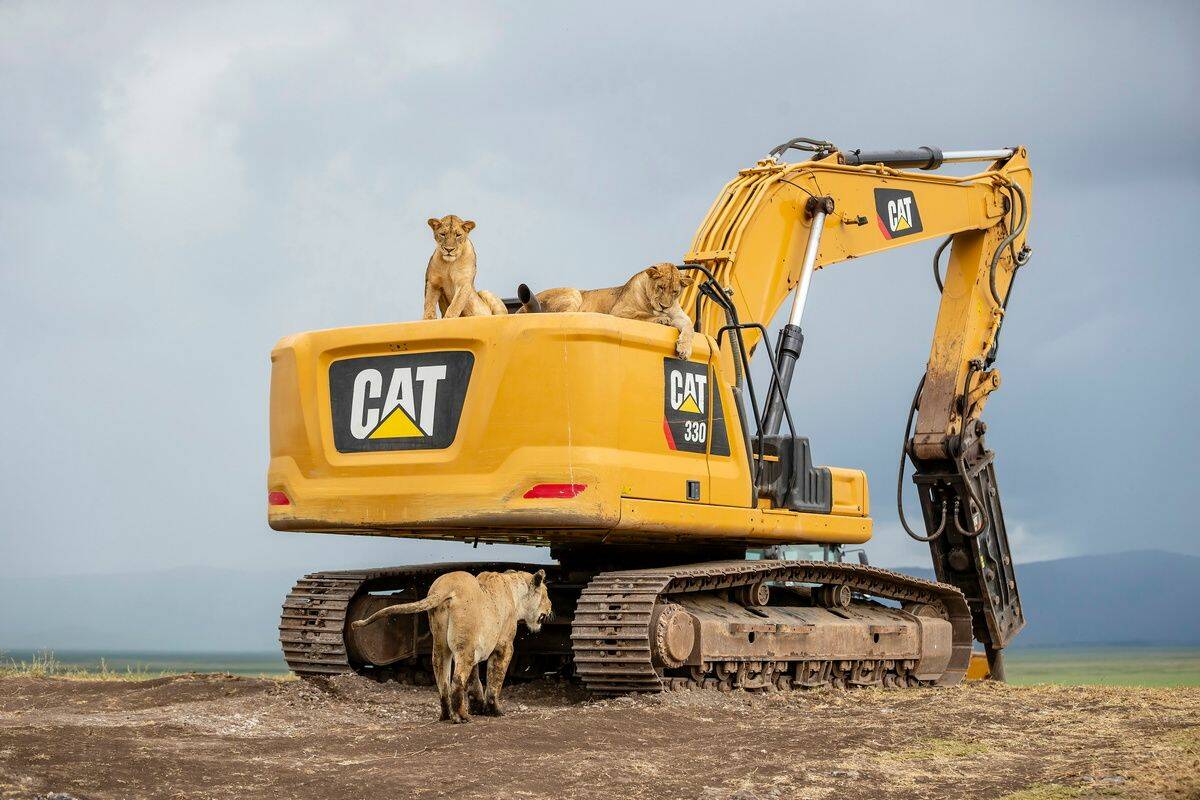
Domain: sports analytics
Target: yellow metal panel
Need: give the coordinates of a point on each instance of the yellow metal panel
(563, 398)
(650, 468)
(729, 476)
(850, 496)
(725, 523)
(978, 669)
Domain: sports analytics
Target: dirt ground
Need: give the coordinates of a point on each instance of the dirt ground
(212, 736)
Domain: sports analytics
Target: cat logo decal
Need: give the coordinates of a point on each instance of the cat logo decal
(401, 402)
(687, 392)
(897, 213)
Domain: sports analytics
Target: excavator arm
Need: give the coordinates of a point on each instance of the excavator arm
(775, 224)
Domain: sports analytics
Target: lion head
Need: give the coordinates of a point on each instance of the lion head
(536, 609)
(667, 283)
(450, 232)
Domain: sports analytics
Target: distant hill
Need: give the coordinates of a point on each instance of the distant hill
(1144, 597)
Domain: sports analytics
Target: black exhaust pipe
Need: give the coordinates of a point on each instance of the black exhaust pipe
(529, 301)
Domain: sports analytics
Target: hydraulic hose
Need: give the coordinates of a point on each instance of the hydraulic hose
(1008, 240)
(1019, 259)
(961, 465)
(912, 412)
(801, 143)
(970, 534)
(973, 501)
(937, 258)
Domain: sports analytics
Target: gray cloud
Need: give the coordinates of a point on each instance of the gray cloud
(179, 187)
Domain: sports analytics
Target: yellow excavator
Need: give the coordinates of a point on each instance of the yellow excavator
(697, 544)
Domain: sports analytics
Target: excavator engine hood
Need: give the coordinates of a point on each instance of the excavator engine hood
(448, 424)
(534, 428)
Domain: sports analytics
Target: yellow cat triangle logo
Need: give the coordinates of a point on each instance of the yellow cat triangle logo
(397, 425)
(902, 224)
(689, 406)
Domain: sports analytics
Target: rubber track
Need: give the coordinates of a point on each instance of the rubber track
(312, 622)
(610, 635)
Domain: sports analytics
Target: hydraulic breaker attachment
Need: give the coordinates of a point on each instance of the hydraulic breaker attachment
(969, 544)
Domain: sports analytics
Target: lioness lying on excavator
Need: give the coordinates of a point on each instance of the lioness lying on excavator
(474, 618)
(652, 295)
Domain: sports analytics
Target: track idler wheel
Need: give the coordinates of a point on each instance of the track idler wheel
(674, 636)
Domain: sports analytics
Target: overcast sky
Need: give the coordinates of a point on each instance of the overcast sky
(181, 185)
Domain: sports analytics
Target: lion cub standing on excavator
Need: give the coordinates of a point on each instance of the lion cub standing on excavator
(450, 276)
(474, 618)
(652, 295)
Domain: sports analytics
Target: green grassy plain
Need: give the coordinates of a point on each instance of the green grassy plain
(136, 665)
(1068, 666)
(1105, 666)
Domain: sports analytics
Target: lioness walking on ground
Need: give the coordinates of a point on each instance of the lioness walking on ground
(651, 295)
(474, 618)
(450, 275)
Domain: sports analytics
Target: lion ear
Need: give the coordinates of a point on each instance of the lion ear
(651, 271)
(434, 222)
(468, 225)
(538, 577)
(687, 280)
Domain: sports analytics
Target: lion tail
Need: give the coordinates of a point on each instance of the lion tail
(495, 304)
(431, 601)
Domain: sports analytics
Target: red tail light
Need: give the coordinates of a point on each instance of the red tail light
(555, 490)
(278, 499)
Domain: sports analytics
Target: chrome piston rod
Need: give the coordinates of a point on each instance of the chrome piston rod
(791, 338)
(949, 156)
(800, 294)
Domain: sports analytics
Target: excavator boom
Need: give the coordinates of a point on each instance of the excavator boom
(755, 239)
